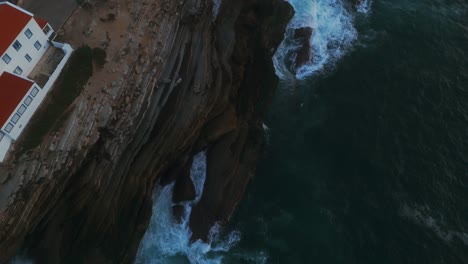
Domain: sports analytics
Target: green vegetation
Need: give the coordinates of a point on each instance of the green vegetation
(53, 111)
(109, 18)
(86, 4)
(99, 56)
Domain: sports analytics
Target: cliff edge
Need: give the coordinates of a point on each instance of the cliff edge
(177, 81)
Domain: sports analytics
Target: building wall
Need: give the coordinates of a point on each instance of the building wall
(37, 100)
(5, 143)
(26, 116)
(20, 125)
(18, 57)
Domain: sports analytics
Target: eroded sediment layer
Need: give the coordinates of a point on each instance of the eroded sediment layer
(179, 83)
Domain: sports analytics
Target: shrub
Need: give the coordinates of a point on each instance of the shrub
(86, 4)
(99, 56)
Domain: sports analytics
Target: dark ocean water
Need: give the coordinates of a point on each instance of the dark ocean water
(367, 160)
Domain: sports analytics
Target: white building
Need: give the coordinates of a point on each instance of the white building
(30, 62)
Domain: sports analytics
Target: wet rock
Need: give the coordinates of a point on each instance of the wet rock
(302, 36)
(184, 189)
(176, 170)
(236, 136)
(126, 69)
(221, 125)
(178, 212)
(196, 88)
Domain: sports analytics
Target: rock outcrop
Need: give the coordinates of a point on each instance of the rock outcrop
(302, 36)
(189, 84)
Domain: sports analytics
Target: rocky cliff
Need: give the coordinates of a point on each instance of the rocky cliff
(181, 82)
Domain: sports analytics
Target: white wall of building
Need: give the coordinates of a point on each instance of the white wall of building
(20, 125)
(5, 143)
(18, 57)
(68, 50)
(38, 98)
(26, 116)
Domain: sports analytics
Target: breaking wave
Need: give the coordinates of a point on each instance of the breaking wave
(167, 241)
(216, 5)
(334, 33)
(364, 6)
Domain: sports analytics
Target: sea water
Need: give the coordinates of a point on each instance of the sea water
(367, 155)
(168, 241)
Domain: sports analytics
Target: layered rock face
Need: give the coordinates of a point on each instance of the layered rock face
(195, 84)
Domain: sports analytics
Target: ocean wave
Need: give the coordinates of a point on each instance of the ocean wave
(216, 5)
(364, 6)
(334, 33)
(167, 241)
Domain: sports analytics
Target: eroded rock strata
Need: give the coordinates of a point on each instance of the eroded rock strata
(192, 84)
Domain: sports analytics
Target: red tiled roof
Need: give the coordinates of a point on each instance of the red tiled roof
(12, 91)
(12, 22)
(41, 22)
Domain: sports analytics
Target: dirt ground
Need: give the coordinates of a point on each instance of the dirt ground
(104, 25)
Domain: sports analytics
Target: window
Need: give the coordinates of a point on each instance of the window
(46, 29)
(15, 118)
(37, 45)
(8, 127)
(28, 33)
(21, 109)
(34, 92)
(17, 45)
(1, 135)
(18, 70)
(6, 58)
(28, 100)
(28, 57)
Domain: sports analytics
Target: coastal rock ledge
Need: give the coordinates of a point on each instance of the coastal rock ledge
(183, 82)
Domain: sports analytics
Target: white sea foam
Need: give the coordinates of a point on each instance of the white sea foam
(21, 260)
(333, 35)
(167, 241)
(216, 5)
(364, 6)
(421, 215)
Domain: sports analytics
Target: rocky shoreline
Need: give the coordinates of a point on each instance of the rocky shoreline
(176, 83)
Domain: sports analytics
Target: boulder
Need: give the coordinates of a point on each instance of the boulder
(184, 189)
(302, 36)
(178, 211)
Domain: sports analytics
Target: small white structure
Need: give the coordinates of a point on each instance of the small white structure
(30, 62)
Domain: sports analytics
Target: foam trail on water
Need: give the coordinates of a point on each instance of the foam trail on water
(333, 35)
(421, 215)
(364, 6)
(167, 241)
(21, 260)
(216, 5)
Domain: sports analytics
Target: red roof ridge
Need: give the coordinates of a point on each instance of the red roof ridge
(41, 22)
(13, 19)
(17, 8)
